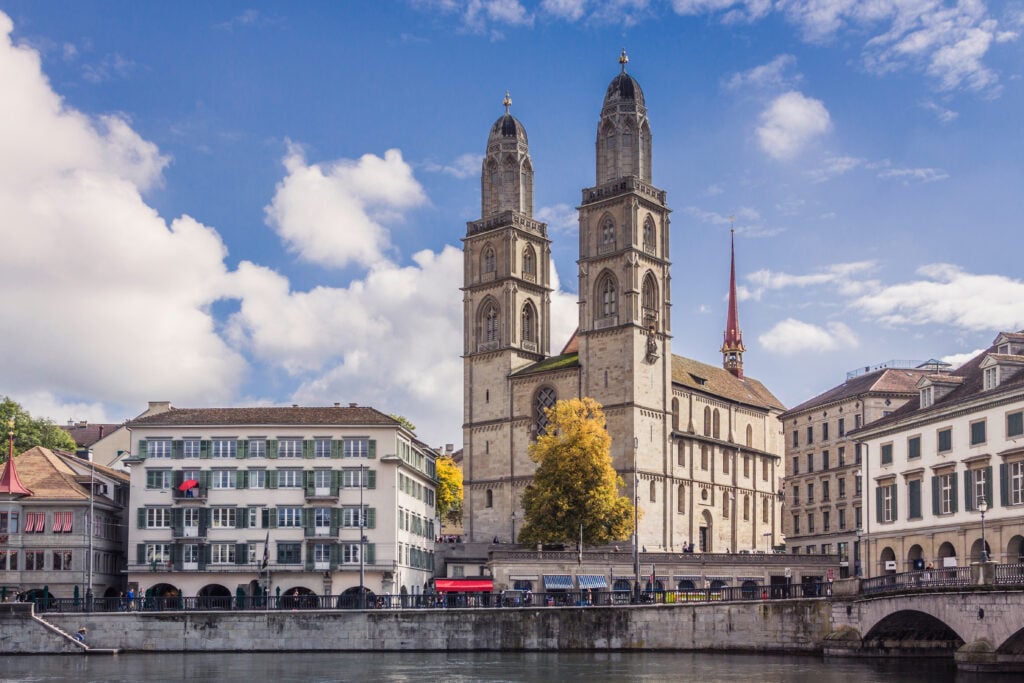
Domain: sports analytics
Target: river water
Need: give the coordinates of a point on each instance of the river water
(294, 667)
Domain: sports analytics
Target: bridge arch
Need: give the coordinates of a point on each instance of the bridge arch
(913, 630)
(1014, 645)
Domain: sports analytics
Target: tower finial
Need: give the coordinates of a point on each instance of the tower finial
(507, 102)
(732, 344)
(623, 60)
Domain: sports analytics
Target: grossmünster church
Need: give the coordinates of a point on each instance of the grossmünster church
(702, 442)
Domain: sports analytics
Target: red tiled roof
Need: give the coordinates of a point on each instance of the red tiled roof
(342, 416)
(885, 381)
(720, 382)
(87, 434)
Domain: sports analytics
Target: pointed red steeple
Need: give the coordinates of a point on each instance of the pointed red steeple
(9, 481)
(732, 345)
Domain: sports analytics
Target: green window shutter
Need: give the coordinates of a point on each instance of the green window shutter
(935, 496)
(307, 448)
(308, 521)
(142, 518)
(142, 449)
(240, 518)
(309, 558)
(952, 492)
(140, 553)
(988, 487)
(371, 479)
(335, 523)
(178, 522)
(310, 478)
(968, 490)
(204, 449)
(334, 555)
(204, 480)
(271, 479)
(914, 496)
(242, 479)
(371, 518)
(1004, 485)
(204, 521)
(371, 553)
(273, 518)
(878, 504)
(335, 482)
(241, 553)
(271, 448)
(336, 448)
(204, 556)
(241, 448)
(176, 556)
(177, 450)
(177, 477)
(373, 448)
(265, 518)
(895, 509)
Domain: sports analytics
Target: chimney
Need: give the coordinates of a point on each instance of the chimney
(101, 431)
(337, 404)
(449, 448)
(353, 405)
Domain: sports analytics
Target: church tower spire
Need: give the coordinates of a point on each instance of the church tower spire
(732, 344)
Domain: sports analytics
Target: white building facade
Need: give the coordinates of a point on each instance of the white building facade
(291, 501)
(943, 477)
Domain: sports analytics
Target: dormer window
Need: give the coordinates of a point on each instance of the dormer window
(927, 396)
(991, 377)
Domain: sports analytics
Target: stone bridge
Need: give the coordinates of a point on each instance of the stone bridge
(981, 626)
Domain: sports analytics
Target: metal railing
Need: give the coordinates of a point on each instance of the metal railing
(506, 599)
(1009, 574)
(947, 577)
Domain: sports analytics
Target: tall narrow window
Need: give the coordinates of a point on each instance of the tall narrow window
(608, 233)
(545, 399)
(609, 305)
(529, 261)
(491, 324)
(529, 323)
(649, 235)
(489, 260)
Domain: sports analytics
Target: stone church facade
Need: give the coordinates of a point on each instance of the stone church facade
(699, 446)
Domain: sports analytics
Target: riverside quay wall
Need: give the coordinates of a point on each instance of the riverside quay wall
(773, 626)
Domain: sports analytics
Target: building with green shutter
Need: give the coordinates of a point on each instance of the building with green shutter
(943, 475)
(232, 502)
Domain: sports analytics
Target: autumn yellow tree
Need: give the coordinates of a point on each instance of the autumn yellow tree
(575, 482)
(449, 490)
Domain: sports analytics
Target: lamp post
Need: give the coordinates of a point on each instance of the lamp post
(362, 539)
(856, 555)
(767, 542)
(513, 526)
(636, 523)
(983, 508)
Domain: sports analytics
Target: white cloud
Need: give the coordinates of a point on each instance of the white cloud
(110, 67)
(332, 214)
(947, 295)
(941, 113)
(734, 12)
(789, 123)
(908, 175)
(838, 275)
(105, 298)
(833, 167)
(571, 10)
(561, 218)
(958, 359)
(791, 336)
(464, 166)
(770, 76)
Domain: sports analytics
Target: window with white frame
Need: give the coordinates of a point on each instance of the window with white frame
(991, 377)
(158, 518)
(224, 448)
(887, 507)
(62, 560)
(1015, 424)
(289, 553)
(980, 477)
(357, 448)
(321, 555)
(158, 479)
(350, 517)
(190, 448)
(253, 514)
(257, 448)
(158, 552)
(322, 448)
(1016, 482)
(190, 555)
(222, 479)
(289, 448)
(289, 479)
(945, 494)
(350, 553)
(257, 479)
(351, 479)
(222, 553)
(927, 396)
(322, 518)
(190, 518)
(158, 448)
(289, 516)
(222, 518)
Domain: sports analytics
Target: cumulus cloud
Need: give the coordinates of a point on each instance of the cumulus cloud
(791, 336)
(840, 276)
(833, 167)
(958, 359)
(790, 122)
(733, 12)
(947, 295)
(571, 10)
(561, 218)
(464, 166)
(333, 214)
(771, 76)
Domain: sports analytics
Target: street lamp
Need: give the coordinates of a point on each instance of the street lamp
(983, 508)
(513, 526)
(856, 558)
(767, 542)
(636, 522)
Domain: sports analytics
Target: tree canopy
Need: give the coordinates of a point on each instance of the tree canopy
(449, 490)
(29, 431)
(575, 482)
(404, 421)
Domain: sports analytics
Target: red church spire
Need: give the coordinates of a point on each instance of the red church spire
(9, 481)
(732, 345)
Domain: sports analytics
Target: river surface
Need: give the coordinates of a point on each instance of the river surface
(434, 667)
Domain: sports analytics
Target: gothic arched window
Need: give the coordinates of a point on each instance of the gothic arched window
(746, 508)
(681, 499)
(750, 436)
(608, 232)
(707, 421)
(529, 323)
(717, 430)
(764, 509)
(609, 299)
(529, 261)
(489, 260)
(488, 498)
(490, 319)
(654, 492)
(649, 299)
(545, 399)
(675, 414)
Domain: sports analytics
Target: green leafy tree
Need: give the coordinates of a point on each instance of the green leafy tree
(29, 431)
(449, 490)
(575, 482)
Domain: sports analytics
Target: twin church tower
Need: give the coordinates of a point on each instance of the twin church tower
(703, 443)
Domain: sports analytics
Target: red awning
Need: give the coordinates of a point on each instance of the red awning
(463, 585)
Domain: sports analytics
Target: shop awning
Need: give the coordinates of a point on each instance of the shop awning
(586, 581)
(557, 582)
(464, 585)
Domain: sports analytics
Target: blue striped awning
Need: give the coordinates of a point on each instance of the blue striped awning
(586, 582)
(558, 582)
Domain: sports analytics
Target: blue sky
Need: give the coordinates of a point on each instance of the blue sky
(235, 203)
